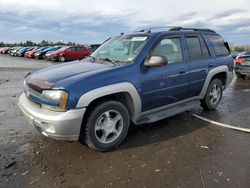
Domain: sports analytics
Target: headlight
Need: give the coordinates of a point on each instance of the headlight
(59, 96)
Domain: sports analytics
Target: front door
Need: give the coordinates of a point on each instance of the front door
(161, 86)
(71, 53)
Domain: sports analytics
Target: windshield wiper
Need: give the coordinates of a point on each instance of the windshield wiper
(109, 60)
(92, 59)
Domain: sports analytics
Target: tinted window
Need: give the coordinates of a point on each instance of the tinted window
(169, 48)
(79, 48)
(194, 48)
(205, 51)
(73, 49)
(218, 45)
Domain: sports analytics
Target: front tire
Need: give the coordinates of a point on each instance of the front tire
(213, 95)
(106, 126)
(62, 59)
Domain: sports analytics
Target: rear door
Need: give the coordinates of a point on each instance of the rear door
(199, 61)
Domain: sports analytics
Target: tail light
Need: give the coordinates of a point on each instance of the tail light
(240, 60)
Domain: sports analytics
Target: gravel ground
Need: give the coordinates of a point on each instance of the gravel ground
(180, 151)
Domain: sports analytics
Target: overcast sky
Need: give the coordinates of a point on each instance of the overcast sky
(93, 21)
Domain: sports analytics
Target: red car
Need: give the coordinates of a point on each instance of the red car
(31, 53)
(69, 53)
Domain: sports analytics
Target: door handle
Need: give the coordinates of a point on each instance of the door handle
(210, 65)
(182, 72)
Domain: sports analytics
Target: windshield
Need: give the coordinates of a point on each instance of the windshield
(62, 48)
(124, 48)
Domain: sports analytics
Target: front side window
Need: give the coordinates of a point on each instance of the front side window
(63, 48)
(124, 48)
(79, 48)
(72, 49)
(169, 48)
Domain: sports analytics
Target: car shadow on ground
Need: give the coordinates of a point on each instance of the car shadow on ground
(154, 133)
(138, 135)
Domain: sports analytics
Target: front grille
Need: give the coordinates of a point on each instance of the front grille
(35, 88)
(31, 91)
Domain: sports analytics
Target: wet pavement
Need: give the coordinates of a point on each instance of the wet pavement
(180, 151)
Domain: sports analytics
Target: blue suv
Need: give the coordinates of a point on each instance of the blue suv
(141, 78)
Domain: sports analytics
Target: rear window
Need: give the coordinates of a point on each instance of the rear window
(218, 45)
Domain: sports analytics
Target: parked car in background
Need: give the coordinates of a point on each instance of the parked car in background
(13, 52)
(30, 54)
(21, 52)
(69, 53)
(93, 47)
(3, 49)
(41, 54)
(48, 55)
(242, 66)
(140, 77)
(235, 54)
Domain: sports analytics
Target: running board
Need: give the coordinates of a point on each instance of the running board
(147, 117)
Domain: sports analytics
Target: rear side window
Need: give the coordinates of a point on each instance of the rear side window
(204, 48)
(194, 48)
(218, 45)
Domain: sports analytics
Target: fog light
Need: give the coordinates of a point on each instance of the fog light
(50, 129)
(44, 133)
(45, 127)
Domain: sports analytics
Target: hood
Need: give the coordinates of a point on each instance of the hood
(68, 72)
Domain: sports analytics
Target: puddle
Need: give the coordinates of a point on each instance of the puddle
(246, 90)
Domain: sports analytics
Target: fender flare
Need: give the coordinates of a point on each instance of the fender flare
(127, 87)
(212, 73)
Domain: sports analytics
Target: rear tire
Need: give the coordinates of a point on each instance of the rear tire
(213, 95)
(106, 126)
(239, 75)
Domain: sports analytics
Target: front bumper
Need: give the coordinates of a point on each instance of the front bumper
(54, 58)
(57, 125)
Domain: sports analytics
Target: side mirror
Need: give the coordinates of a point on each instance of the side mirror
(156, 61)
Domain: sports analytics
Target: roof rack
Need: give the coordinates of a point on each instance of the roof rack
(148, 30)
(173, 28)
(192, 29)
